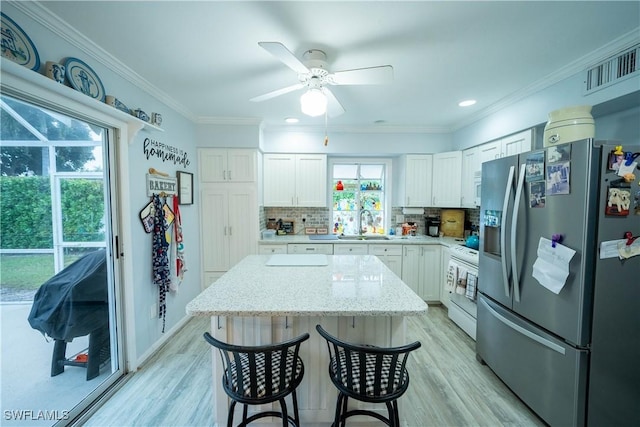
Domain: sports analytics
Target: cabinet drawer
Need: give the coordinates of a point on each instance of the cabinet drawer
(385, 249)
(301, 248)
(350, 249)
(272, 249)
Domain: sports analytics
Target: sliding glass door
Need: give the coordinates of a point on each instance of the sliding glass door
(59, 280)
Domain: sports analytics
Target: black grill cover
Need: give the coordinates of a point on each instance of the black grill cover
(74, 302)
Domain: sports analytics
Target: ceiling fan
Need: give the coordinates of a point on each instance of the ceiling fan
(314, 75)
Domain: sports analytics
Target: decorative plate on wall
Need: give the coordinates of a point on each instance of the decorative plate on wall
(16, 44)
(84, 79)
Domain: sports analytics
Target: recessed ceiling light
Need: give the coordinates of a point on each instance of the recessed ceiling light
(467, 103)
(291, 120)
(380, 122)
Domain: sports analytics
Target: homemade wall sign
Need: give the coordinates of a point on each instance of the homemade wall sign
(165, 152)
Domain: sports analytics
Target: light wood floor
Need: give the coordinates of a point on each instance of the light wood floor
(448, 386)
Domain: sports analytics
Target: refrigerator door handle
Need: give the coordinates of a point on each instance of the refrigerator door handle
(514, 229)
(503, 228)
(537, 338)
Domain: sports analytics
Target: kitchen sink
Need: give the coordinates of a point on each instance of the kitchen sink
(363, 238)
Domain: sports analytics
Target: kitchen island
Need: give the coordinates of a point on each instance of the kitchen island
(355, 297)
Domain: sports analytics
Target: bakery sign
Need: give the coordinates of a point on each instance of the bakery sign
(163, 186)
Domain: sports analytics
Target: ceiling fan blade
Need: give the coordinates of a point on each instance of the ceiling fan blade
(283, 54)
(364, 76)
(334, 108)
(278, 92)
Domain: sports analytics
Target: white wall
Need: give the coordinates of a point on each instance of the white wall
(533, 110)
(178, 132)
(384, 143)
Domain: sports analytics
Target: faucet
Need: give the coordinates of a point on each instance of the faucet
(362, 214)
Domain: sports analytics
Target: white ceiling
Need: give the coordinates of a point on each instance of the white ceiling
(203, 57)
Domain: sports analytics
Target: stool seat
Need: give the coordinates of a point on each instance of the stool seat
(368, 374)
(257, 375)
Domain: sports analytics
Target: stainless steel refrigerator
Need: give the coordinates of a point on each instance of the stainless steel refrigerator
(572, 356)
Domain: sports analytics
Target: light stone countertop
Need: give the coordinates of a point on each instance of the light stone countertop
(350, 285)
(394, 240)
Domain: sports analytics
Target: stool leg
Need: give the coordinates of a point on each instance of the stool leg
(343, 416)
(230, 415)
(296, 414)
(285, 415)
(59, 354)
(245, 408)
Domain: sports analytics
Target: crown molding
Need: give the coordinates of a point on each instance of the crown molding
(236, 121)
(377, 129)
(36, 11)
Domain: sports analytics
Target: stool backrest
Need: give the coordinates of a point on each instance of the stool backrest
(368, 371)
(260, 372)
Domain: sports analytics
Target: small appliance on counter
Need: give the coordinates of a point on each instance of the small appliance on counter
(433, 226)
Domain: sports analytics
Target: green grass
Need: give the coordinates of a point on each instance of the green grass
(25, 272)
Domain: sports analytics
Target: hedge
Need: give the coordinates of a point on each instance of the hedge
(26, 221)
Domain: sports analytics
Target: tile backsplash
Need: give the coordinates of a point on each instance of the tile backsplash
(321, 217)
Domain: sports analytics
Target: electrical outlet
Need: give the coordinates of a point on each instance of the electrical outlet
(153, 312)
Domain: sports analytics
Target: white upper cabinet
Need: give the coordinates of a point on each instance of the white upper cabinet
(507, 146)
(295, 180)
(416, 180)
(470, 167)
(227, 165)
(447, 169)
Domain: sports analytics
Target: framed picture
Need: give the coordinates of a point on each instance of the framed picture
(185, 188)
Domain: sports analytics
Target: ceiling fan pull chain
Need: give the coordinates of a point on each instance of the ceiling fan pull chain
(326, 137)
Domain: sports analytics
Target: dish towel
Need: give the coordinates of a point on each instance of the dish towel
(160, 257)
(461, 283)
(452, 276)
(179, 252)
(472, 282)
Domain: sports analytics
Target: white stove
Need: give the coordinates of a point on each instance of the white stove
(464, 253)
(462, 309)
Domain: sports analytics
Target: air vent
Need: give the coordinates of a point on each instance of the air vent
(612, 70)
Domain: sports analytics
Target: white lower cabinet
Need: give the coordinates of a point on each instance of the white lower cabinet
(272, 249)
(421, 270)
(444, 292)
(303, 248)
(347, 249)
(229, 224)
(390, 255)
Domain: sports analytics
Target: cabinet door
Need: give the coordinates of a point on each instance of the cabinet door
(212, 164)
(215, 230)
(430, 274)
(447, 169)
(272, 249)
(342, 249)
(241, 165)
(279, 180)
(470, 164)
(516, 144)
(394, 263)
(243, 227)
(490, 151)
(444, 265)
(411, 266)
(301, 248)
(418, 179)
(311, 180)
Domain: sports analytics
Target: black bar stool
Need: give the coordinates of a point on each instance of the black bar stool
(368, 374)
(261, 374)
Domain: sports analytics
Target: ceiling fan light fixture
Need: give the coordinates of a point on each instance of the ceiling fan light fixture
(467, 103)
(313, 102)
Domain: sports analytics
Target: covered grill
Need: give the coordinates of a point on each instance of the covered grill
(75, 303)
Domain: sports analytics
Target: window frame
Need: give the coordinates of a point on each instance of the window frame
(388, 183)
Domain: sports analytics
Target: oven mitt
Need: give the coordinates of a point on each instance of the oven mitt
(146, 216)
